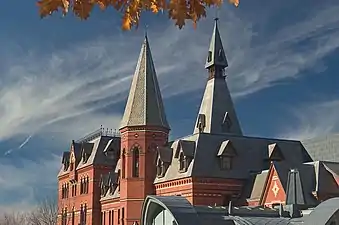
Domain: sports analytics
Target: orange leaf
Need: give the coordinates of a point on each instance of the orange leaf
(47, 7)
(178, 10)
(82, 8)
(234, 2)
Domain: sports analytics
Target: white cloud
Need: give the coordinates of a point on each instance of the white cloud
(314, 120)
(93, 74)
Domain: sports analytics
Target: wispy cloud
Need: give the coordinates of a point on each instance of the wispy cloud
(95, 74)
(313, 120)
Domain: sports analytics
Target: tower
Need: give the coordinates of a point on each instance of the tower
(143, 127)
(217, 113)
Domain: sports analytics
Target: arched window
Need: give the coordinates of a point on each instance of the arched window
(123, 164)
(135, 162)
(87, 185)
(182, 162)
(159, 168)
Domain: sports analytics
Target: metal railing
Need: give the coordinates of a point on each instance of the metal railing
(98, 133)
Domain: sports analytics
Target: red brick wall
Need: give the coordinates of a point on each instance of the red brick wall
(91, 199)
(202, 191)
(133, 190)
(274, 192)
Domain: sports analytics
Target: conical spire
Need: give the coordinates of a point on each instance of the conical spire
(144, 105)
(216, 54)
(217, 113)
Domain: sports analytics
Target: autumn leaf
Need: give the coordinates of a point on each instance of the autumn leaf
(82, 8)
(234, 2)
(47, 7)
(178, 10)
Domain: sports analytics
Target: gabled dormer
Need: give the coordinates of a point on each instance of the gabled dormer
(184, 153)
(112, 150)
(274, 153)
(65, 160)
(86, 151)
(226, 154)
(163, 160)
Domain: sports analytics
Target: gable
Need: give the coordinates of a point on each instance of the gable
(274, 152)
(226, 149)
(273, 190)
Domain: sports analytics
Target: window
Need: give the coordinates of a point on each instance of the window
(110, 217)
(67, 190)
(159, 168)
(225, 162)
(74, 189)
(81, 215)
(85, 213)
(123, 159)
(64, 217)
(209, 58)
(182, 162)
(122, 216)
(87, 185)
(72, 166)
(81, 186)
(135, 162)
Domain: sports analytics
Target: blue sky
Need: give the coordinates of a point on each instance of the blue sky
(63, 78)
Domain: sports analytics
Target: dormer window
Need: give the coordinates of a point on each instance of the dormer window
(110, 154)
(201, 124)
(226, 154)
(160, 168)
(225, 162)
(84, 157)
(66, 165)
(182, 162)
(209, 57)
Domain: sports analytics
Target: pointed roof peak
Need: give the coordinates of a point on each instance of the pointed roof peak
(217, 113)
(144, 104)
(216, 53)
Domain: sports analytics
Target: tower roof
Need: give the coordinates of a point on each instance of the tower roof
(216, 54)
(144, 104)
(217, 113)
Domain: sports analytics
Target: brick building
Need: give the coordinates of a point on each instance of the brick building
(106, 176)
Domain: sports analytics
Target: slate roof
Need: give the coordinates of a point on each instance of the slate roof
(94, 151)
(144, 104)
(251, 152)
(323, 148)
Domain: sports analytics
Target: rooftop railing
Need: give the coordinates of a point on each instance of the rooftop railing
(99, 133)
